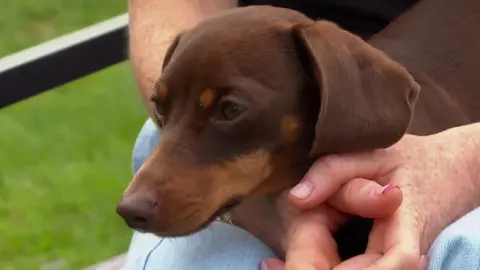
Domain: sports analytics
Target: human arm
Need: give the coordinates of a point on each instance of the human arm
(152, 26)
(454, 188)
(438, 174)
(309, 234)
(464, 141)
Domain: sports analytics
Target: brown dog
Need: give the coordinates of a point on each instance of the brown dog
(250, 97)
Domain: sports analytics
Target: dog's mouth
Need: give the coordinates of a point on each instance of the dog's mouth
(222, 210)
(227, 207)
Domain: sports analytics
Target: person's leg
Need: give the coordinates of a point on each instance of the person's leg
(219, 247)
(223, 246)
(458, 246)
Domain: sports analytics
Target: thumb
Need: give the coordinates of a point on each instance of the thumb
(398, 238)
(399, 257)
(359, 262)
(367, 198)
(329, 173)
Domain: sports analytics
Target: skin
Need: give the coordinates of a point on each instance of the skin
(153, 24)
(426, 210)
(306, 235)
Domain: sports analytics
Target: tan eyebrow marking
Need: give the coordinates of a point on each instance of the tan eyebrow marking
(162, 91)
(290, 128)
(206, 98)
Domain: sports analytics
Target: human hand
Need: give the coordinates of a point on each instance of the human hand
(309, 241)
(306, 235)
(439, 180)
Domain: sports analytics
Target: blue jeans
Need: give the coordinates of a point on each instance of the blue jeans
(226, 247)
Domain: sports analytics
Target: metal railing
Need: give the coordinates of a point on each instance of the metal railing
(62, 60)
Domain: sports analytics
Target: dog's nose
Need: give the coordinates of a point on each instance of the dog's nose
(137, 213)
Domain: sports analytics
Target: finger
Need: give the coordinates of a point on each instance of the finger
(272, 264)
(398, 258)
(367, 198)
(311, 247)
(424, 261)
(358, 262)
(329, 173)
(398, 238)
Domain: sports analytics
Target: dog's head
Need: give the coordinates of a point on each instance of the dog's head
(247, 99)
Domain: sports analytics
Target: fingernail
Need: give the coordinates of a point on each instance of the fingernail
(263, 266)
(424, 262)
(302, 190)
(383, 190)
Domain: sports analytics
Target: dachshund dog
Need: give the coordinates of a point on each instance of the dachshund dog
(250, 97)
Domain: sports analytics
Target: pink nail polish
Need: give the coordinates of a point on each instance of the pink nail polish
(263, 266)
(386, 188)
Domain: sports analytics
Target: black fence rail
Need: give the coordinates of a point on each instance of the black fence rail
(62, 60)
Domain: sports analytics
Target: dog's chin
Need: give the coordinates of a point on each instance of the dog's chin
(221, 211)
(227, 207)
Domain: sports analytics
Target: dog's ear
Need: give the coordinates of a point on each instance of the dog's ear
(170, 51)
(366, 99)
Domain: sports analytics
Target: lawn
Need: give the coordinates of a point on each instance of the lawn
(64, 155)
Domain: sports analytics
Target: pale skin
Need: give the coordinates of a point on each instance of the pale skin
(153, 25)
(306, 234)
(439, 176)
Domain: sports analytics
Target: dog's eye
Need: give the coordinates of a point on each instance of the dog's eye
(157, 107)
(160, 118)
(229, 110)
(157, 110)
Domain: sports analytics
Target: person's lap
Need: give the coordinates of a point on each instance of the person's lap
(223, 246)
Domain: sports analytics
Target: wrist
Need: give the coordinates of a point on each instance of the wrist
(467, 141)
(472, 149)
(456, 150)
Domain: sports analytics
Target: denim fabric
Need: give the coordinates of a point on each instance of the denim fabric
(225, 247)
(458, 246)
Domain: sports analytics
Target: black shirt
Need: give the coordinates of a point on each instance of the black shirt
(362, 17)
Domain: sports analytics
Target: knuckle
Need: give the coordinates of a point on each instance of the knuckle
(408, 260)
(330, 165)
(400, 259)
(415, 216)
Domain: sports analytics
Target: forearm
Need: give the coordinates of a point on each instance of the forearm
(152, 26)
(469, 137)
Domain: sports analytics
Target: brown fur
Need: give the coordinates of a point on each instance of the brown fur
(309, 89)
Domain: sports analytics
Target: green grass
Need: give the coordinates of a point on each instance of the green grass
(65, 155)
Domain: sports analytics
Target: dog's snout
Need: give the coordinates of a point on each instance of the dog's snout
(137, 213)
